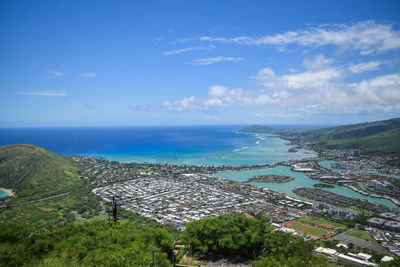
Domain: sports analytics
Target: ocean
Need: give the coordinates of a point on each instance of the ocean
(200, 145)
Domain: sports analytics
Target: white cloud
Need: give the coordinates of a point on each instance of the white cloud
(221, 96)
(56, 74)
(213, 102)
(188, 49)
(45, 93)
(322, 90)
(319, 73)
(218, 91)
(365, 66)
(326, 90)
(213, 60)
(90, 75)
(281, 114)
(264, 99)
(318, 62)
(368, 37)
(188, 103)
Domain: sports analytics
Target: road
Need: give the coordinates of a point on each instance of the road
(36, 200)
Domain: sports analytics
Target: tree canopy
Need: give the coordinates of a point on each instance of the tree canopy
(84, 244)
(251, 238)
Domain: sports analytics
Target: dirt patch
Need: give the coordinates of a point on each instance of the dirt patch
(309, 230)
(327, 225)
(45, 209)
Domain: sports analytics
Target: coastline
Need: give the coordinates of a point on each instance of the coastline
(8, 191)
(394, 201)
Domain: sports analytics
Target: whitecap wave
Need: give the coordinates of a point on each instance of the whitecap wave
(240, 149)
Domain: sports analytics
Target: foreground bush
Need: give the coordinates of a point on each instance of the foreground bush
(85, 244)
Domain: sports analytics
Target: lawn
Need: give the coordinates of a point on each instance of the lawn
(307, 229)
(322, 223)
(360, 234)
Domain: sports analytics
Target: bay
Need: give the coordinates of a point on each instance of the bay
(3, 194)
(200, 145)
(300, 181)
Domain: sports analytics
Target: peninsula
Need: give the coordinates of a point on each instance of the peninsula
(276, 179)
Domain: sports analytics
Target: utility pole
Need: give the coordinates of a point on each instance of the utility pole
(114, 209)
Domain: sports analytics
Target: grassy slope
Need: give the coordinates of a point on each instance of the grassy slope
(373, 138)
(34, 172)
(384, 143)
(360, 234)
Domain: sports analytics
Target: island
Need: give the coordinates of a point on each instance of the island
(292, 150)
(277, 179)
(324, 185)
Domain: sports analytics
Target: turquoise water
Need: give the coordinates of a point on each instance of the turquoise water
(200, 145)
(3, 194)
(257, 149)
(327, 165)
(300, 181)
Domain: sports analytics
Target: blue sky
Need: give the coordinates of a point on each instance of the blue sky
(97, 63)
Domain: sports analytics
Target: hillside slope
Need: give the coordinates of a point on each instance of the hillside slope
(33, 171)
(374, 138)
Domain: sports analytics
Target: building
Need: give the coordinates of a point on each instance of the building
(377, 184)
(360, 259)
(386, 259)
(326, 251)
(387, 184)
(345, 181)
(354, 261)
(392, 225)
(330, 178)
(387, 215)
(376, 222)
(347, 214)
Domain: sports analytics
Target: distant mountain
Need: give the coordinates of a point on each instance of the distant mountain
(34, 171)
(373, 138)
(259, 129)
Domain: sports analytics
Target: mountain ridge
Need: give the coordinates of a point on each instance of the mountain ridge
(381, 138)
(32, 171)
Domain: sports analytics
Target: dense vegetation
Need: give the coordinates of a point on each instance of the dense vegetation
(68, 231)
(373, 138)
(249, 237)
(95, 243)
(34, 172)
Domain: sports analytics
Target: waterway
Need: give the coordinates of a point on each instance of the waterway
(327, 165)
(3, 194)
(300, 181)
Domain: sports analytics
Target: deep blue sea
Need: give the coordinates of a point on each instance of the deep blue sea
(211, 145)
(217, 145)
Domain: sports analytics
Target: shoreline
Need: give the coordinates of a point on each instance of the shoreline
(8, 191)
(393, 201)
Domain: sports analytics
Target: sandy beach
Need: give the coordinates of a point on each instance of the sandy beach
(9, 191)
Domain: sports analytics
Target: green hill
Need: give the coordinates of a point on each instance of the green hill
(33, 171)
(373, 138)
(34, 174)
